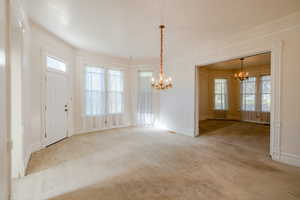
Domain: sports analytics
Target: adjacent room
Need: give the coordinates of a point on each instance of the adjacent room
(235, 101)
(149, 100)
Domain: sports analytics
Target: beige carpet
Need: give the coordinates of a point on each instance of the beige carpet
(228, 162)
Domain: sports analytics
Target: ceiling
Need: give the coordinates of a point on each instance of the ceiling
(257, 60)
(130, 27)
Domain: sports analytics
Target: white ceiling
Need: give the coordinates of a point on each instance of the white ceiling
(130, 27)
(257, 60)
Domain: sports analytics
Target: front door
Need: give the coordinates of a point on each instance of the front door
(56, 107)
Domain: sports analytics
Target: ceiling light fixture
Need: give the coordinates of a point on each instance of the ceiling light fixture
(242, 75)
(162, 82)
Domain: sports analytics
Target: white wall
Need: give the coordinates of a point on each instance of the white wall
(20, 81)
(16, 99)
(26, 76)
(3, 95)
(203, 80)
(179, 114)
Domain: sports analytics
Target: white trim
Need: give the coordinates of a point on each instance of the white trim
(290, 159)
(276, 53)
(49, 69)
(185, 132)
(103, 129)
(5, 187)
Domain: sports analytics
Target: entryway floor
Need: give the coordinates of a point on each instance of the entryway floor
(140, 163)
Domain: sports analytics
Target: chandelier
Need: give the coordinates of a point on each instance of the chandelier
(242, 75)
(162, 82)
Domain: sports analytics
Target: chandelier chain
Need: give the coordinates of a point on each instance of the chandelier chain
(161, 47)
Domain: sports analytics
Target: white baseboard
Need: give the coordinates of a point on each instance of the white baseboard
(186, 132)
(290, 159)
(103, 129)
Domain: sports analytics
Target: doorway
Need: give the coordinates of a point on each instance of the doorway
(56, 108)
(233, 110)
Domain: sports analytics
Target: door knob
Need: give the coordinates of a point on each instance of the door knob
(66, 110)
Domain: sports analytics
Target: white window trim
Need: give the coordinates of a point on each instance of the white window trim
(261, 93)
(59, 59)
(85, 108)
(242, 96)
(106, 69)
(123, 92)
(226, 95)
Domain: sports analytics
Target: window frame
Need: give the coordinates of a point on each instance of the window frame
(151, 93)
(50, 69)
(85, 92)
(106, 91)
(226, 102)
(122, 92)
(242, 94)
(261, 93)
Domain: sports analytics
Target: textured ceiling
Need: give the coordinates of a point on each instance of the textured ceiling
(257, 60)
(130, 27)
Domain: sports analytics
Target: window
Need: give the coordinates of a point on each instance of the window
(55, 64)
(248, 89)
(115, 91)
(145, 115)
(265, 86)
(103, 91)
(221, 97)
(95, 98)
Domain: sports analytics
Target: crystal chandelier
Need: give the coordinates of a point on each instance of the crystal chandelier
(162, 82)
(242, 75)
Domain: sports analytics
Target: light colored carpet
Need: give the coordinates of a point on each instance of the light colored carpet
(228, 162)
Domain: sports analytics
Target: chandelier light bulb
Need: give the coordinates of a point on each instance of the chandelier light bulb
(241, 75)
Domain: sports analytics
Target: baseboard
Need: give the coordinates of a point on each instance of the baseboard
(103, 129)
(290, 159)
(186, 132)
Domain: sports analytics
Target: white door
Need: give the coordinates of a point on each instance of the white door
(56, 107)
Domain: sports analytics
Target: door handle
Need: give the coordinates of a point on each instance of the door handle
(66, 110)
